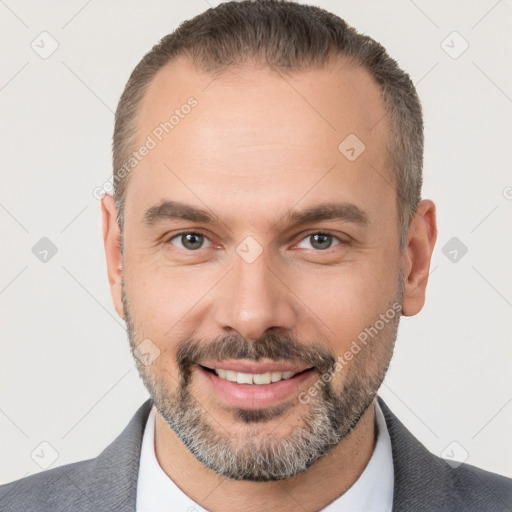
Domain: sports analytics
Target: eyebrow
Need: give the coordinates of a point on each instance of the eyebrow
(173, 210)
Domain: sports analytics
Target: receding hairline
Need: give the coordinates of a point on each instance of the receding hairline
(236, 32)
(182, 64)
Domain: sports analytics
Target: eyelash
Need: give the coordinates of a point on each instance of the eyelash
(306, 235)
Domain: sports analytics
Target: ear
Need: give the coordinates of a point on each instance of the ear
(112, 242)
(417, 255)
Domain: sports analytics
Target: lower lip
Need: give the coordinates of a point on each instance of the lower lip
(256, 396)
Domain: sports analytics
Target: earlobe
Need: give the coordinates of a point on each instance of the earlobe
(113, 254)
(417, 256)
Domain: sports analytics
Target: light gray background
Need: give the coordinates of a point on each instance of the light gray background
(66, 374)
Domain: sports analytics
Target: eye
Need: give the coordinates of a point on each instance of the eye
(189, 240)
(193, 241)
(320, 241)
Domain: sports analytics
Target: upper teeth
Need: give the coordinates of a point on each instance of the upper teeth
(253, 378)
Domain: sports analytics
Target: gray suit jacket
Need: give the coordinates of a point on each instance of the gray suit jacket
(423, 482)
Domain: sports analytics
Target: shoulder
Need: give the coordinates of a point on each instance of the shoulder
(107, 482)
(481, 490)
(426, 482)
(53, 489)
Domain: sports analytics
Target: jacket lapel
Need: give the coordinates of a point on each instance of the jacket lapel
(422, 481)
(112, 479)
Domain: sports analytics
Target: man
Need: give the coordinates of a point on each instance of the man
(265, 235)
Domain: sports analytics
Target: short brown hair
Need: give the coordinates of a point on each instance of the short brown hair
(289, 37)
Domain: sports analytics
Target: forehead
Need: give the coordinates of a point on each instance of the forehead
(258, 100)
(257, 133)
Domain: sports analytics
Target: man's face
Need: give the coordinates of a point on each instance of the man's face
(254, 290)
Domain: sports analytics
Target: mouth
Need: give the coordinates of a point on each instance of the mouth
(258, 379)
(252, 385)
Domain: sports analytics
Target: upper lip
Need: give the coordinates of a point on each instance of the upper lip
(255, 367)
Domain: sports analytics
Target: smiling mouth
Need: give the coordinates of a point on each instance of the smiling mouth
(253, 378)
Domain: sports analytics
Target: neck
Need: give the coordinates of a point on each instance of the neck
(330, 477)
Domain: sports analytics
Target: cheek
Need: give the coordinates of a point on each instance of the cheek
(347, 301)
(164, 300)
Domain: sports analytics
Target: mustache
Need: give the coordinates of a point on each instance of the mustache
(277, 347)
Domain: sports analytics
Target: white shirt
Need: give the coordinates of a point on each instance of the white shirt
(372, 491)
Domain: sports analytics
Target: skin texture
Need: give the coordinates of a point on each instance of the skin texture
(258, 145)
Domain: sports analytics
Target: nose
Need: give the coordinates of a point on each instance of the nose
(254, 299)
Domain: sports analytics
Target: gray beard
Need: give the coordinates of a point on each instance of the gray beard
(330, 415)
(260, 459)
